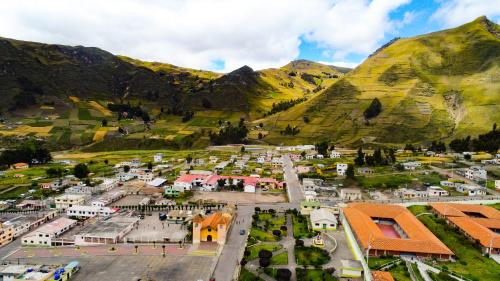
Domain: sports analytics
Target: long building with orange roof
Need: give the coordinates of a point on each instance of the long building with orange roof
(382, 229)
(479, 223)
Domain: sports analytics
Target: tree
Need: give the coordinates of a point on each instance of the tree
(104, 122)
(264, 262)
(126, 168)
(261, 125)
(299, 243)
(242, 149)
(438, 146)
(265, 254)
(54, 172)
(189, 159)
(260, 136)
(322, 147)
(374, 109)
(221, 182)
(150, 166)
(360, 159)
(106, 161)
(81, 171)
(410, 147)
(283, 274)
(350, 171)
(277, 233)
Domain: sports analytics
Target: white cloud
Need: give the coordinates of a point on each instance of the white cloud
(456, 12)
(195, 33)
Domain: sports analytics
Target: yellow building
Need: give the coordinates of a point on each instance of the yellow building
(212, 228)
(6, 234)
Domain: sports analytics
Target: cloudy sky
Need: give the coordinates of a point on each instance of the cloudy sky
(223, 35)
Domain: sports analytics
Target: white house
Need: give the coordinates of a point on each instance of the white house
(412, 165)
(122, 176)
(475, 173)
(145, 175)
(158, 158)
(320, 156)
(249, 188)
(350, 194)
(46, 234)
(497, 184)
(341, 169)
(436, 191)
(88, 211)
(66, 201)
(470, 190)
(323, 219)
(335, 154)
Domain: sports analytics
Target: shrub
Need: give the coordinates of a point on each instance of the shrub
(299, 243)
(283, 227)
(265, 254)
(283, 274)
(277, 233)
(264, 262)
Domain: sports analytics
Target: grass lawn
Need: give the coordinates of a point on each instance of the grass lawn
(376, 263)
(470, 263)
(280, 259)
(417, 273)
(496, 206)
(313, 275)
(262, 235)
(300, 227)
(254, 250)
(246, 275)
(311, 256)
(400, 272)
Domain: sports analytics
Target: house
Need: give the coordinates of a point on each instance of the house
(341, 169)
(497, 184)
(476, 173)
(323, 219)
(335, 154)
(301, 169)
(122, 176)
(47, 234)
(158, 158)
(411, 165)
(311, 184)
(31, 204)
(277, 162)
(212, 228)
(157, 182)
(65, 201)
(477, 222)
(81, 211)
(437, 191)
(295, 157)
(6, 234)
(470, 190)
(384, 229)
(249, 188)
(145, 175)
(170, 191)
(351, 269)
(22, 223)
(261, 159)
(406, 193)
(365, 171)
(182, 216)
(19, 166)
(107, 231)
(307, 206)
(350, 194)
(320, 156)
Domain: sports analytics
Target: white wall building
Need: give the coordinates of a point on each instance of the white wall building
(436, 191)
(323, 219)
(66, 201)
(335, 154)
(341, 169)
(475, 173)
(350, 194)
(88, 211)
(158, 158)
(46, 234)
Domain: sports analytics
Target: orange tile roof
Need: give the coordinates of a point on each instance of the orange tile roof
(477, 231)
(420, 239)
(382, 276)
(477, 228)
(457, 210)
(213, 220)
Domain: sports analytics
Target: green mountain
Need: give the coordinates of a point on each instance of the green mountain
(435, 86)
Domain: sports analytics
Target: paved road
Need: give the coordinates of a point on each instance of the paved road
(294, 188)
(231, 253)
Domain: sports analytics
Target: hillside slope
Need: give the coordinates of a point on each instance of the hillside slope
(434, 86)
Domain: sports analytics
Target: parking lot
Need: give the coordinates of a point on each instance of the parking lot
(240, 197)
(129, 200)
(125, 268)
(151, 228)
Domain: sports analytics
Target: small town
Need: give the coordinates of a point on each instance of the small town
(238, 211)
(250, 140)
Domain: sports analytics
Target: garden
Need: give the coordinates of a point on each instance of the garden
(311, 256)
